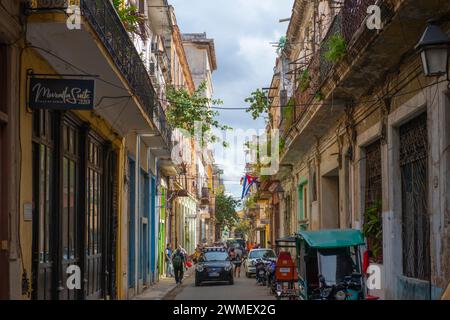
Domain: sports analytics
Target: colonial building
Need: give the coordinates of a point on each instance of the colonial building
(201, 56)
(90, 181)
(12, 24)
(365, 137)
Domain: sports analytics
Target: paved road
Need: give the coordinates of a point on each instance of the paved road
(242, 289)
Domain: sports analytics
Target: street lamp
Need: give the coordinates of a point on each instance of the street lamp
(433, 48)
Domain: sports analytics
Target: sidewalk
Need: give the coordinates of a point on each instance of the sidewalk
(163, 287)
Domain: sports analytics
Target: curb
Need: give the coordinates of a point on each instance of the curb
(186, 276)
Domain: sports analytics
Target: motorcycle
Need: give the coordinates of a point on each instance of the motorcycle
(261, 272)
(270, 275)
(348, 289)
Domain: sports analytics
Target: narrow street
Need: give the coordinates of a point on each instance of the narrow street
(306, 141)
(242, 289)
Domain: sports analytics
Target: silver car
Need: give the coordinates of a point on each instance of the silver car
(263, 253)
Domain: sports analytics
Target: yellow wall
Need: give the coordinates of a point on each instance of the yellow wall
(32, 60)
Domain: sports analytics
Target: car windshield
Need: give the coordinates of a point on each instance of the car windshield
(215, 256)
(259, 254)
(336, 264)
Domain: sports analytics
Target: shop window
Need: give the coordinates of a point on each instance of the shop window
(75, 207)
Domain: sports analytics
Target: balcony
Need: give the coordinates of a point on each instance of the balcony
(205, 196)
(102, 47)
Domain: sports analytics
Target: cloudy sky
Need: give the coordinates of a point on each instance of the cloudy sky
(243, 31)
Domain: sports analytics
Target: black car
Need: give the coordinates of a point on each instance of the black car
(214, 266)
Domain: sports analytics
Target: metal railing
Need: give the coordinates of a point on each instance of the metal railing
(354, 13)
(205, 193)
(347, 23)
(334, 29)
(103, 18)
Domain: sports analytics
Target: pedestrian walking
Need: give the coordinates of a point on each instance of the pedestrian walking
(237, 265)
(178, 262)
(168, 258)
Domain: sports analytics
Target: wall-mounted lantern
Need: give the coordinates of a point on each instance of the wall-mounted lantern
(433, 48)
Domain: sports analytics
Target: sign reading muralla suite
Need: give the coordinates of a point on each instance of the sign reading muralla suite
(61, 94)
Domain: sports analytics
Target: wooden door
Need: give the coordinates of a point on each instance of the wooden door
(44, 231)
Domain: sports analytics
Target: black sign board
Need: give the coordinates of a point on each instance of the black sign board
(61, 94)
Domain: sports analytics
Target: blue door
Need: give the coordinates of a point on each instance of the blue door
(144, 196)
(131, 226)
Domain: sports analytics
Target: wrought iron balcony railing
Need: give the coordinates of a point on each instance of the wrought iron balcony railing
(348, 23)
(205, 193)
(103, 18)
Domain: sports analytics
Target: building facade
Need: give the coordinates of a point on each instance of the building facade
(95, 193)
(364, 138)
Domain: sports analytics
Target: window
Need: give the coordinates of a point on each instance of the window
(314, 186)
(70, 199)
(373, 193)
(43, 150)
(94, 221)
(259, 254)
(74, 206)
(415, 218)
(336, 264)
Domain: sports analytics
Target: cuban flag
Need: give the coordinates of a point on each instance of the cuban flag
(247, 183)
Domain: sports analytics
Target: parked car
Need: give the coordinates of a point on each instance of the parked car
(253, 255)
(214, 265)
(232, 241)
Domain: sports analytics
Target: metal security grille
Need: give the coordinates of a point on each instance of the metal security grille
(415, 218)
(373, 187)
(373, 173)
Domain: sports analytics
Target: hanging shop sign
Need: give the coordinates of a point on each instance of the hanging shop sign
(61, 94)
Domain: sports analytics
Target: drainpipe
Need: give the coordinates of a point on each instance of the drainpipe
(136, 212)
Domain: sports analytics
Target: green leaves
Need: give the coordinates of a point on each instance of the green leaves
(128, 14)
(243, 227)
(373, 228)
(281, 44)
(259, 104)
(186, 111)
(304, 80)
(335, 48)
(226, 215)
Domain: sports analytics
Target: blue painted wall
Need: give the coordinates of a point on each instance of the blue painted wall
(414, 289)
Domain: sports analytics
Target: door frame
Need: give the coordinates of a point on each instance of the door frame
(4, 205)
(301, 205)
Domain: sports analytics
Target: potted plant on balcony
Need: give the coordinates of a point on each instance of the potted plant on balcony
(132, 20)
(336, 48)
(304, 80)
